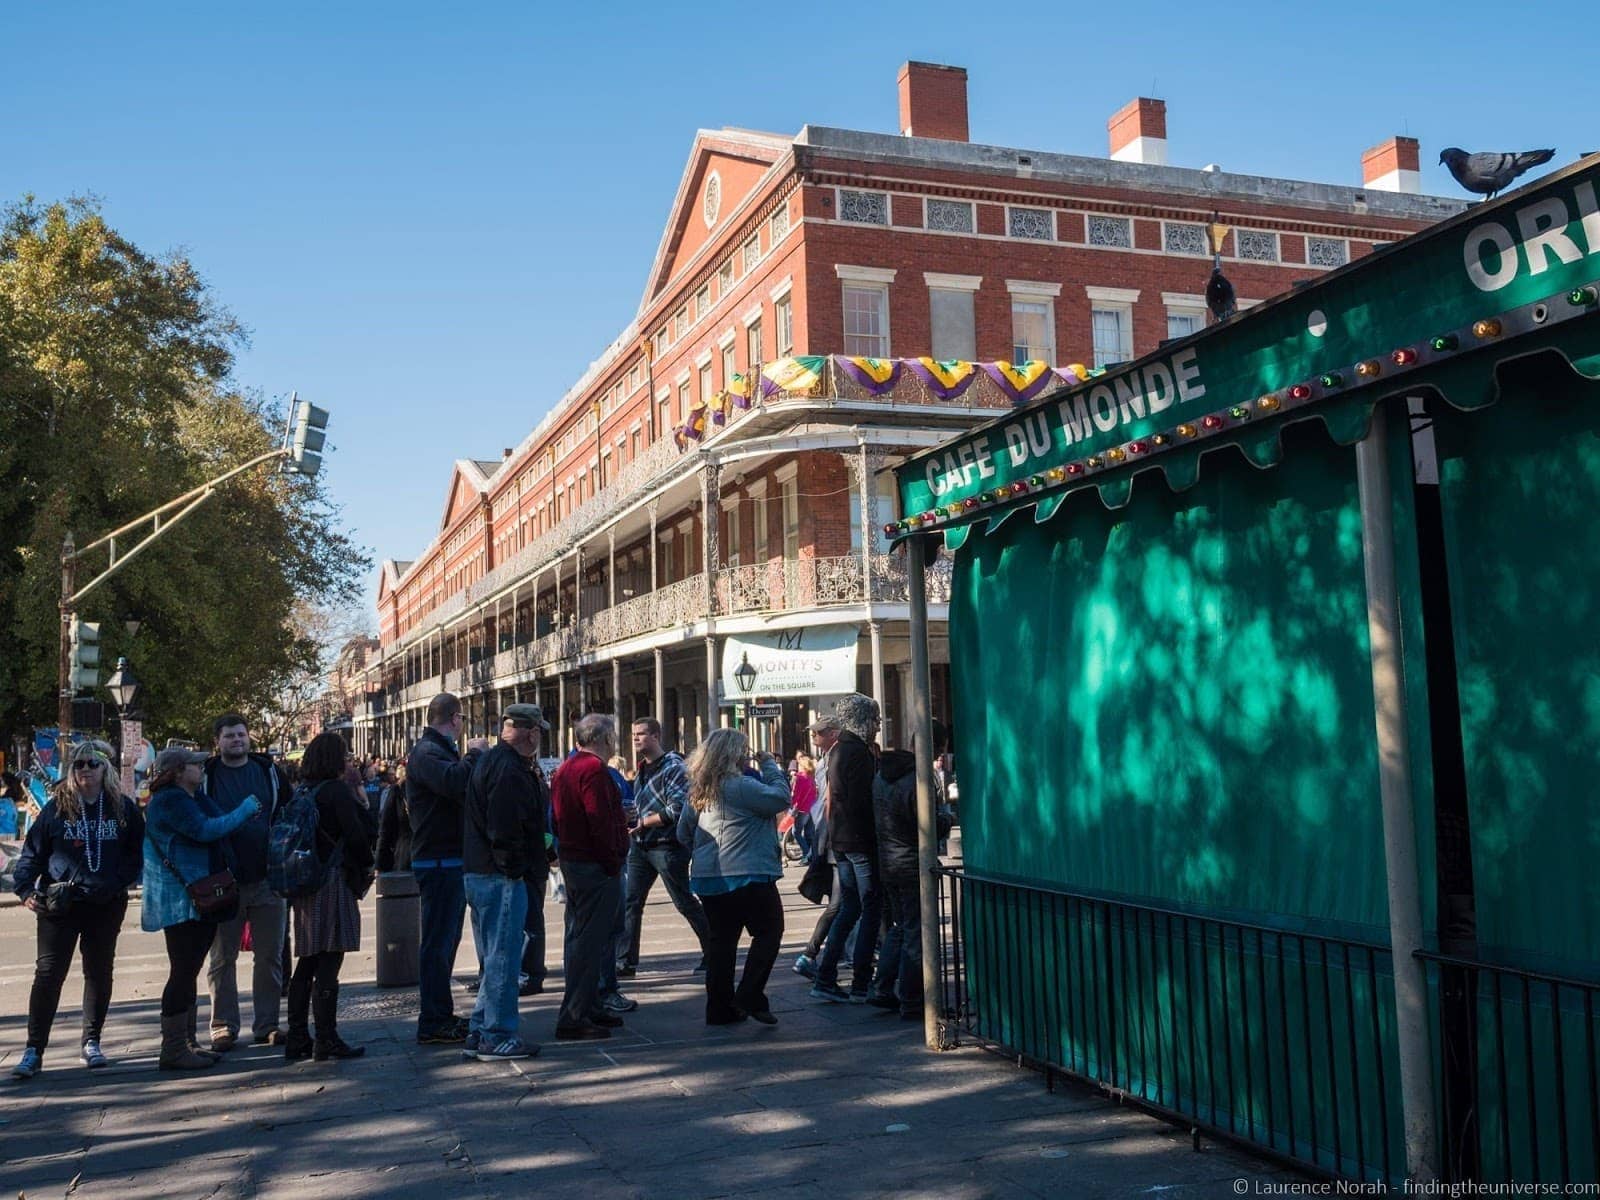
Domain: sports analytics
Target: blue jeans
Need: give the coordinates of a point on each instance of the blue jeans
(900, 960)
(499, 909)
(444, 910)
(860, 902)
(671, 863)
(802, 835)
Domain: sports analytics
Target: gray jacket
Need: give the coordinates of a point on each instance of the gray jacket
(738, 835)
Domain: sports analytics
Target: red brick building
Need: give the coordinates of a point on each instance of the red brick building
(580, 568)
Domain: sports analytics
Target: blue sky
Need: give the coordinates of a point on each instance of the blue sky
(432, 221)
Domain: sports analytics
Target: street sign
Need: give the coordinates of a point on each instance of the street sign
(772, 711)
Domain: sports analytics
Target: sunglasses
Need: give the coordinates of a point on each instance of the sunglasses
(87, 765)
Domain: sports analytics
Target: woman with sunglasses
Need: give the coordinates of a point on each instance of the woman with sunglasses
(187, 841)
(80, 858)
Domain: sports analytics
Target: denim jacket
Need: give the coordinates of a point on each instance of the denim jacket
(182, 828)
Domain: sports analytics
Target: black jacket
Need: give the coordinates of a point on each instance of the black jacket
(56, 850)
(282, 789)
(344, 827)
(505, 818)
(851, 767)
(894, 805)
(436, 786)
(394, 831)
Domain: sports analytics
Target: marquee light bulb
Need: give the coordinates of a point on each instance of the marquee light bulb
(1018, 488)
(1115, 454)
(1161, 439)
(1332, 380)
(1370, 369)
(1267, 404)
(1138, 447)
(1403, 357)
(1212, 422)
(1186, 430)
(1300, 391)
(970, 502)
(1445, 342)
(1074, 468)
(1579, 297)
(1239, 413)
(1487, 328)
(1036, 481)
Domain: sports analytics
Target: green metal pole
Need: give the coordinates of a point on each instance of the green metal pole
(921, 723)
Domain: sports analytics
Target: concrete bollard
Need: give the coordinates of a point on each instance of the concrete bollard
(399, 929)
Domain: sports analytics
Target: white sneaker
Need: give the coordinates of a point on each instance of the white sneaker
(92, 1056)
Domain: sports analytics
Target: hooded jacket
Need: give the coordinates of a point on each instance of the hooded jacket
(894, 806)
(249, 841)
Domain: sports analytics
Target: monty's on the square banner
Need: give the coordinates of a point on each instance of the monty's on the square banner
(1528, 246)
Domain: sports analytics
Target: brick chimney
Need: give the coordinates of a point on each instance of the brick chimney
(1393, 166)
(933, 101)
(1139, 132)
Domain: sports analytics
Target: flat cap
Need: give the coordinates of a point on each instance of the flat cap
(824, 723)
(525, 715)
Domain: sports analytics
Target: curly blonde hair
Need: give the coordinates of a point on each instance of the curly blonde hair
(720, 757)
(65, 794)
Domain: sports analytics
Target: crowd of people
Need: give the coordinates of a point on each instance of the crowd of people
(236, 850)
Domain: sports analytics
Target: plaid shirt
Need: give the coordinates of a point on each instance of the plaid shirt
(661, 787)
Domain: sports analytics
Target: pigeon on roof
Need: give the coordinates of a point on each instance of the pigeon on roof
(1490, 173)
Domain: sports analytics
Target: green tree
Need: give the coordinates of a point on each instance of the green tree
(116, 396)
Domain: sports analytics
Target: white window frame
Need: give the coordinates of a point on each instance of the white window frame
(760, 538)
(881, 290)
(783, 314)
(940, 281)
(730, 552)
(787, 479)
(1030, 291)
(1119, 300)
(1184, 304)
(1324, 238)
(1277, 245)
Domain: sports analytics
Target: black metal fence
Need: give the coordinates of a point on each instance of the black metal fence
(1281, 1039)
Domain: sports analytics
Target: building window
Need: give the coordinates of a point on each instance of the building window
(705, 384)
(680, 323)
(730, 365)
(758, 522)
(1036, 224)
(783, 327)
(752, 337)
(1113, 334)
(1181, 322)
(702, 301)
(1327, 252)
(866, 320)
(780, 223)
(789, 497)
(1256, 245)
(661, 341)
(948, 216)
(683, 401)
(752, 253)
(863, 208)
(664, 420)
(1179, 238)
(731, 540)
(1116, 232)
(725, 278)
(954, 331)
(1033, 323)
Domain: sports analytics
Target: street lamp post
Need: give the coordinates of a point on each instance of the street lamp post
(745, 676)
(124, 687)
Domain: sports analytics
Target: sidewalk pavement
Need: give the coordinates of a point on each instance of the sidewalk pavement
(835, 1101)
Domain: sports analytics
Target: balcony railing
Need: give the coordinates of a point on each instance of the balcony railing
(786, 585)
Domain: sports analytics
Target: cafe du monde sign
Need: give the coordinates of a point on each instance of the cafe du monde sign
(1528, 252)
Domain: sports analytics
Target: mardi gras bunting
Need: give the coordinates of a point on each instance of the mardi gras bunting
(947, 379)
(876, 375)
(790, 375)
(1073, 373)
(740, 389)
(1021, 382)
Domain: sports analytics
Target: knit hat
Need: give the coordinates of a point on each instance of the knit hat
(858, 714)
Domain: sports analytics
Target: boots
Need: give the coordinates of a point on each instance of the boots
(298, 1045)
(329, 1044)
(175, 1052)
(194, 1044)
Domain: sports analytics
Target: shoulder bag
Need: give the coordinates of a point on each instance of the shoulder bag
(216, 897)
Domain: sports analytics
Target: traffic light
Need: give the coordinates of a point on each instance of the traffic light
(85, 654)
(308, 434)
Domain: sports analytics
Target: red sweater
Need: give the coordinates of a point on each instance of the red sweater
(588, 813)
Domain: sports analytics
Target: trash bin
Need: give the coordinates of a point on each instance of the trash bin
(399, 929)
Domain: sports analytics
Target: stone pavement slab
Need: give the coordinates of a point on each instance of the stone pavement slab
(836, 1101)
